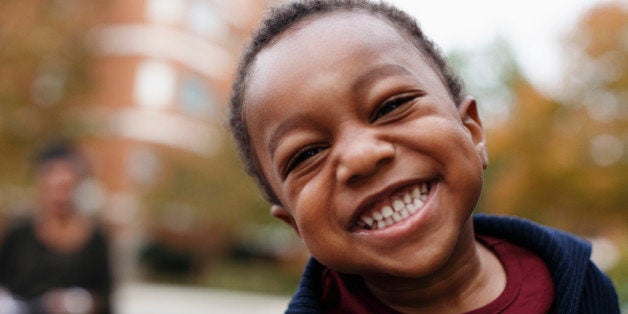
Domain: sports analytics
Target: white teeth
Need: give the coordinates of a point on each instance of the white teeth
(410, 207)
(398, 205)
(416, 193)
(396, 217)
(367, 220)
(407, 199)
(418, 203)
(411, 204)
(378, 216)
(401, 208)
(387, 211)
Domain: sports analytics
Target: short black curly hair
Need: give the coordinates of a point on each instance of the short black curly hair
(281, 18)
(56, 150)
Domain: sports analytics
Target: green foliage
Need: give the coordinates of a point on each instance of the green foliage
(216, 189)
(256, 276)
(161, 259)
(44, 71)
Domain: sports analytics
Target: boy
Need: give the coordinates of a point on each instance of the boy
(363, 141)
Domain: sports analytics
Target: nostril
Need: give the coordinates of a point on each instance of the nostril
(366, 172)
(363, 158)
(383, 162)
(354, 179)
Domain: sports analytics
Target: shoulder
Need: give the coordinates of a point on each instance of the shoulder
(598, 295)
(530, 234)
(99, 238)
(557, 248)
(98, 233)
(18, 229)
(578, 282)
(306, 298)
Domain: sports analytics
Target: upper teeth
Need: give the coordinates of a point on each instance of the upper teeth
(398, 208)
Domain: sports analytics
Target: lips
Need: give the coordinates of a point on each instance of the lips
(395, 208)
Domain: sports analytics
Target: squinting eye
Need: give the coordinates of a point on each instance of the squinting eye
(390, 105)
(302, 156)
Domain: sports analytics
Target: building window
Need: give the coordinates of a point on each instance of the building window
(155, 83)
(167, 12)
(203, 20)
(197, 98)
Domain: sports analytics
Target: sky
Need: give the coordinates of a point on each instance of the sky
(533, 27)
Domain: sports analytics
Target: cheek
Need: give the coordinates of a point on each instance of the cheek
(450, 146)
(452, 142)
(316, 219)
(311, 203)
(464, 168)
(439, 138)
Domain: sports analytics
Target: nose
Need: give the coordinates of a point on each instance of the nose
(361, 156)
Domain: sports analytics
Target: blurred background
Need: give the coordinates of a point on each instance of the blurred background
(142, 86)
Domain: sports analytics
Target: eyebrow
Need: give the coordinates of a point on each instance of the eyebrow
(283, 128)
(370, 77)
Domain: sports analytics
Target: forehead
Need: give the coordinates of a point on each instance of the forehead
(323, 48)
(323, 58)
(59, 165)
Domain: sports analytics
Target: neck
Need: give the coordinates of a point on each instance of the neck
(471, 278)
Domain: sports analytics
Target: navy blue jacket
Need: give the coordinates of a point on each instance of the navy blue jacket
(580, 287)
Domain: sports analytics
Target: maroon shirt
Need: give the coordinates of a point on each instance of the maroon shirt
(529, 287)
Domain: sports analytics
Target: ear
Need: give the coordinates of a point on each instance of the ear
(471, 120)
(279, 212)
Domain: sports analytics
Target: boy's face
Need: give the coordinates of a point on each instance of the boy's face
(348, 121)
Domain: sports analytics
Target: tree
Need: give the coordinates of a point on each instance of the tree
(558, 159)
(564, 161)
(44, 69)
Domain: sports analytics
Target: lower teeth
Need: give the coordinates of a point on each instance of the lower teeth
(399, 214)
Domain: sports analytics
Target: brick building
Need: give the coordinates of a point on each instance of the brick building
(161, 75)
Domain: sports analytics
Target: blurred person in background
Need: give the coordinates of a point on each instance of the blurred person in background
(57, 260)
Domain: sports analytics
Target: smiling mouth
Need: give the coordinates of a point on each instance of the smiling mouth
(396, 208)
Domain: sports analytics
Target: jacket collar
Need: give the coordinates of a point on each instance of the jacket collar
(566, 256)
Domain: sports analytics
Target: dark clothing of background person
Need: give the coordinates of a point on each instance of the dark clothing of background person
(28, 268)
